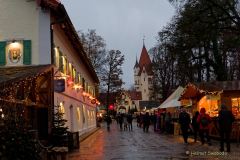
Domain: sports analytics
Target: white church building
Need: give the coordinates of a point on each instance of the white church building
(143, 75)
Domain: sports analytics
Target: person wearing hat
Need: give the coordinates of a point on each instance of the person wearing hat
(204, 121)
(225, 120)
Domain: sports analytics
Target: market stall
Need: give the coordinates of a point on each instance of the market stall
(211, 95)
(171, 105)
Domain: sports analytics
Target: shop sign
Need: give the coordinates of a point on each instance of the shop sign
(59, 85)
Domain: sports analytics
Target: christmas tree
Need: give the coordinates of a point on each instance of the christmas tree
(16, 142)
(59, 130)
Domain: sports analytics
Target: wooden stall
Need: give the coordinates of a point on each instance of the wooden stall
(27, 92)
(211, 95)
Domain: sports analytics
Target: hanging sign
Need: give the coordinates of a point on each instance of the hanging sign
(59, 85)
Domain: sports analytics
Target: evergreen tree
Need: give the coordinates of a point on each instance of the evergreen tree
(16, 142)
(59, 130)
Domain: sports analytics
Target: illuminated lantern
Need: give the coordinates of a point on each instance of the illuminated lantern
(111, 107)
(69, 81)
(93, 101)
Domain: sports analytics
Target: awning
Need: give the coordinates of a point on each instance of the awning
(193, 90)
(173, 99)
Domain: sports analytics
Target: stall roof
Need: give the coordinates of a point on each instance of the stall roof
(16, 73)
(172, 100)
(203, 88)
(148, 104)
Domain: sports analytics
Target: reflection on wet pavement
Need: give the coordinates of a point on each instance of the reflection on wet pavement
(137, 145)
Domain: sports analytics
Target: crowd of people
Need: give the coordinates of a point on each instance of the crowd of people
(198, 125)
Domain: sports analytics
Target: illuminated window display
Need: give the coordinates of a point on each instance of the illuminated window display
(210, 103)
(236, 107)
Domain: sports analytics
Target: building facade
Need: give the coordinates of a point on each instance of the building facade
(143, 75)
(41, 32)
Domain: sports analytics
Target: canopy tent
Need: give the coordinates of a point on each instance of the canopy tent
(172, 100)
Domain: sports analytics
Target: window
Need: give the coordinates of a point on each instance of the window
(236, 107)
(74, 75)
(64, 64)
(70, 70)
(78, 113)
(149, 80)
(57, 55)
(83, 84)
(61, 108)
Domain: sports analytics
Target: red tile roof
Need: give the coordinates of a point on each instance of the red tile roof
(145, 61)
(135, 95)
(48, 3)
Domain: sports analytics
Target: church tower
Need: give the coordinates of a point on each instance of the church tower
(143, 75)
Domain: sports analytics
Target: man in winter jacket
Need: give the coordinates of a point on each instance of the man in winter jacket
(184, 120)
(204, 121)
(225, 120)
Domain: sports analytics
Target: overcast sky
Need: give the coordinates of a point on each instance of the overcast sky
(122, 24)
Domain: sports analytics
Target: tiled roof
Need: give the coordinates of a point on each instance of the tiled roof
(136, 64)
(145, 61)
(135, 95)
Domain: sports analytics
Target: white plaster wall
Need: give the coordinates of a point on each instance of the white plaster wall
(44, 37)
(71, 96)
(144, 85)
(22, 19)
(62, 41)
(74, 124)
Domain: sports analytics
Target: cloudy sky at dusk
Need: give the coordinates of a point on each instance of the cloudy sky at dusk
(122, 24)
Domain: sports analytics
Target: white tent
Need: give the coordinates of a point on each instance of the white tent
(172, 100)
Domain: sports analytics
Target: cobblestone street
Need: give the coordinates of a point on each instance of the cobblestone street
(134, 145)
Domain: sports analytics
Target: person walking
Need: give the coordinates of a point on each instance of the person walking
(168, 120)
(195, 126)
(109, 121)
(154, 121)
(125, 123)
(129, 120)
(204, 121)
(120, 121)
(225, 120)
(146, 122)
(184, 120)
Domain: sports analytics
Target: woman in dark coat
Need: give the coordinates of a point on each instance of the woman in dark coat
(195, 126)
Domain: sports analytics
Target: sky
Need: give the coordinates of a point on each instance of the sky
(122, 24)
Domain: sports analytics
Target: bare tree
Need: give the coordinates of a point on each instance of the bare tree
(112, 72)
(95, 48)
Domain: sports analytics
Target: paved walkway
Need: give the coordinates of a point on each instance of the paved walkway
(137, 145)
